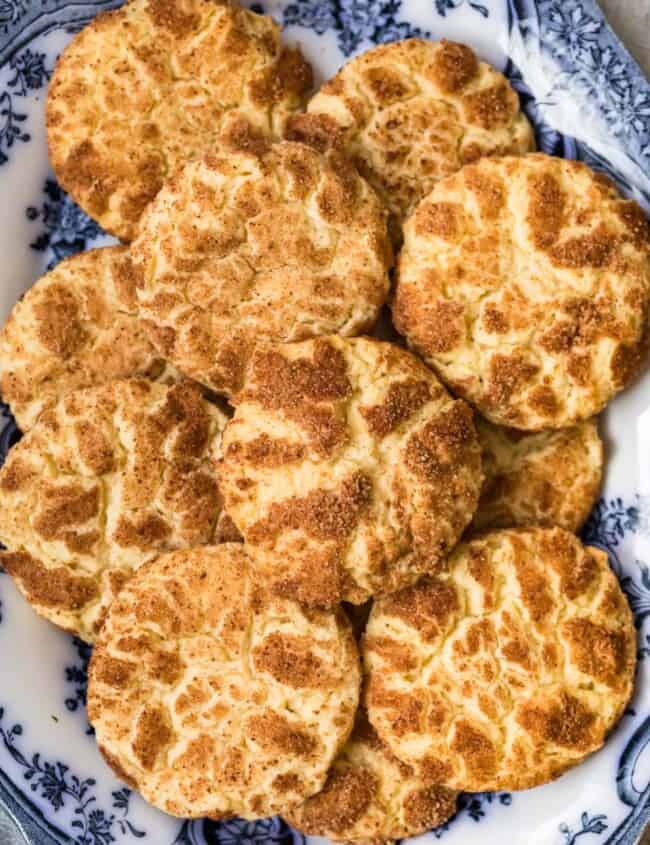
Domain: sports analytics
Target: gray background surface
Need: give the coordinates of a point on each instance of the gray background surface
(631, 20)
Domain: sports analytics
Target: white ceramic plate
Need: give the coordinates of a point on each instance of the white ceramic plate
(587, 100)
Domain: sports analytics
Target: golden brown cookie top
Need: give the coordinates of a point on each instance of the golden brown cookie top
(525, 283)
(214, 698)
(544, 478)
(107, 478)
(261, 243)
(507, 670)
(350, 465)
(76, 327)
(143, 88)
(371, 798)
(412, 112)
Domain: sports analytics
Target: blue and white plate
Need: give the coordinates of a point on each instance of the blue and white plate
(587, 100)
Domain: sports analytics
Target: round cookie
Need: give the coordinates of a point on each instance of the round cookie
(412, 112)
(508, 669)
(259, 243)
(106, 479)
(76, 327)
(213, 698)
(351, 466)
(371, 798)
(524, 281)
(147, 86)
(545, 478)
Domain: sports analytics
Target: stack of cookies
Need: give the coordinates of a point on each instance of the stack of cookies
(326, 576)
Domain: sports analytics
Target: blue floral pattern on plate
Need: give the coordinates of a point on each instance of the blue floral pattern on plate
(587, 100)
(55, 783)
(586, 86)
(355, 21)
(64, 229)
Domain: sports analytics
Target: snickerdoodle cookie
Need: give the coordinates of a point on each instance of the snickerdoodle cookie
(538, 478)
(76, 327)
(258, 242)
(372, 798)
(106, 479)
(506, 670)
(412, 112)
(144, 87)
(525, 283)
(350, 464)
(213, 697)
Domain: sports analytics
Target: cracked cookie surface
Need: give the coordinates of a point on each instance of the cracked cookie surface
(350, 465)
(525, 283)
(106, 479)
(257, 244)
(509, 669)
(145, 87)
(539, 478)
(411, 113)
(214, 698)
(371, 798)
(75, 327)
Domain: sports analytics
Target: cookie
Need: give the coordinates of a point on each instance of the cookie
(351, 466)
(213, 698)
(371, 798)
(507, 670)
(545, 478)
(143, 88)
(412, 112)
(524, 282)
(105, 480)
(263, 243)
(76, 327)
